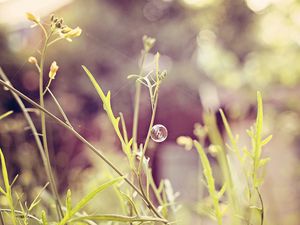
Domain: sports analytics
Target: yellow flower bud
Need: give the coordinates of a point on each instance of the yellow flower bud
(71, 33)
(148, 42)
(53, 69)
(32, 17)
(32, 60)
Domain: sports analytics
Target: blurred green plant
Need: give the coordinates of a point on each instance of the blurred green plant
(141, 182)
(239, 203)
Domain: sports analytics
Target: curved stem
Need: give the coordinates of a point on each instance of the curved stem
(84, 141)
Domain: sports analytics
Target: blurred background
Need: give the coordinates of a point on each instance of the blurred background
(218, 54)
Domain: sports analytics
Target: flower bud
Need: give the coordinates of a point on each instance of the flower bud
(32, 17)
(53, 69)
(148, 42)
(73, 33)
(32, 60)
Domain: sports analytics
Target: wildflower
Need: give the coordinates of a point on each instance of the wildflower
(32, 60)
(32, 17)
(148, 42)
(69, 33)
(53, 69)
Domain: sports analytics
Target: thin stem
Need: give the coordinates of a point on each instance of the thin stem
(119, 218)
(1, 218)
(137, 104)
(84, 141)
(33, 129)
(59, 108)
(44, 129)
(149, 133)
(55, 40)
(44, 30)
(48, 86)
(21, 214)
(262, 207)
(124, 127)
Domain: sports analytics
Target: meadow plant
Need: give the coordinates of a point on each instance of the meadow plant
(141, 200)
(238, 201)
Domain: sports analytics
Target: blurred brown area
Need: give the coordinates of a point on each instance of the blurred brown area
(223, 51)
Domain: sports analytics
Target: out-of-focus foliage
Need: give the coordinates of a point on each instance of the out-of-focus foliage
(227, 49)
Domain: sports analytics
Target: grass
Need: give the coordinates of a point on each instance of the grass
(141, 200)
(238, 211)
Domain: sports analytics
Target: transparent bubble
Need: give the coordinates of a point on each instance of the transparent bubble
(159, 133)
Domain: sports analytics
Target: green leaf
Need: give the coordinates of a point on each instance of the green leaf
(44, 218)
(222, 191)
(131, 202)
(36, 201)
(88, 198)
(69, 201)
(106, 105)
(2, 191)
(210, 180)
(266, 140)
(263, 162)
(119, 218)
(4, 172)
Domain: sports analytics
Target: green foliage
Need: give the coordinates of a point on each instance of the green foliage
(207, 171)
(6, 191)
(133, 206)
(250, 164)
(72, 211)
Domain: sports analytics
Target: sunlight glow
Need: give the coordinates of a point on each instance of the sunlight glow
(198, 3)
(12, 13)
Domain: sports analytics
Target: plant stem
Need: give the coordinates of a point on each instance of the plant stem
(262, 207)
(216, 139)
(84, 141)
(44, 129)
(137, 104)
(21, 214)
(59, 108)
(35, 134)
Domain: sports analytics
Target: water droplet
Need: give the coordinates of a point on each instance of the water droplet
(159, 133)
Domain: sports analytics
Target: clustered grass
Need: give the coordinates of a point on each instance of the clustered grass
(231, 203)
(141, 200)
(134, 198)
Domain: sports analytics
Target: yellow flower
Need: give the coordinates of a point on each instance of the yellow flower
(32, 17)
(69, 33)
(53, 69)
(148, 42)
(32, 60)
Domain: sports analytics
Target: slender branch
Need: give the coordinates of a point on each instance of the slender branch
(1, 219)
(118, 218)
(262, 207)
(21, 214)
(44, 129)
(33, 129)
(59, 108)
(84, 141)
(55, 40)
(137, 104)
(47, 86)
(149, 133)
(44, 30)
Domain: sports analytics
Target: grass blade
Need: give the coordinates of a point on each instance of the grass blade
(87, 198)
